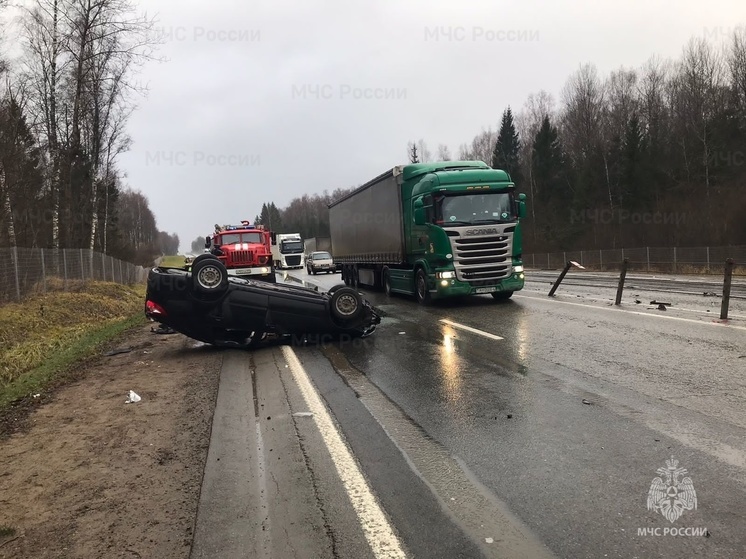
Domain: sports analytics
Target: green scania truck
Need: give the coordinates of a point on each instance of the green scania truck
(432, 230)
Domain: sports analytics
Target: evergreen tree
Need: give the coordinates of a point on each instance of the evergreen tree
(634, 184)
(413, 155)
(505, 155)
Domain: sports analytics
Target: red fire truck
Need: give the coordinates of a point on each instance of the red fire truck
(245, 250)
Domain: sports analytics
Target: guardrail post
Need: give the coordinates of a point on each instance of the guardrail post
(708, 259)
(559, 279)
(726, 288)
(121, 277)
(674, 260)
(15, 266)
(647, 250)
(620, 288)
(82, 266)
(43, 271)
(601, 259)
(64, 267)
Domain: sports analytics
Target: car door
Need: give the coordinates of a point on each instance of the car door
(297, 310)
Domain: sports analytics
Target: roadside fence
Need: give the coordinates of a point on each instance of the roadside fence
(674, 260)
(24, 271)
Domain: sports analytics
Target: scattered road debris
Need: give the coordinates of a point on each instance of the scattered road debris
(118, 351)
(162, 330)
(586, 402)
(133, 398)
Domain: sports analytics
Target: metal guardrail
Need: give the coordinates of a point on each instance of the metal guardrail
(24, 271)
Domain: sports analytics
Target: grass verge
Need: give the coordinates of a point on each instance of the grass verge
(45, 336)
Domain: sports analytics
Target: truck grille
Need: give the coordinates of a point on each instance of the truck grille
(239, 257)
(483, 260)
(293, 260)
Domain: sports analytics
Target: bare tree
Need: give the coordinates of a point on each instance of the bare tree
(444, 154)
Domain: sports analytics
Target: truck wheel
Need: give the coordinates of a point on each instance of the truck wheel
(346, 304)
(421, 290)
(386, 280)
(209, 276)
(502, 295)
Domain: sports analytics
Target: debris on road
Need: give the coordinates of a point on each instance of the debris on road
(489, 540)
(662, 307)
(133, 398)
(586, 402)
(654, 302)
(162, 330)
(117, 351)
(710, 294)
(303, 414)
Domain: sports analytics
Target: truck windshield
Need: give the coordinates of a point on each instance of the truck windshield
(468, 209)
(322, 256)
(233, 238)
(291, 246)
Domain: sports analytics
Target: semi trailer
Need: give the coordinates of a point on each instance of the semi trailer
(432, 230)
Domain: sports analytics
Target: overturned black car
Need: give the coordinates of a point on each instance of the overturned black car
(208, 305)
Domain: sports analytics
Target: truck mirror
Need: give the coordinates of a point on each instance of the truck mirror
(207, 242)
(419, 212)
(273, 236)
(522, 197)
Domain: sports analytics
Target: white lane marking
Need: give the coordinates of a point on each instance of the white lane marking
(378, 531)
(617, 309)
(470, 329)
(678, 309)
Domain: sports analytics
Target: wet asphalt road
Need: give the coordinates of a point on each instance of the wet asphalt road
(568, 417)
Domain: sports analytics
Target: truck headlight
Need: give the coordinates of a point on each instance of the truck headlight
(446, 275)
(517, 269)
(265, 270)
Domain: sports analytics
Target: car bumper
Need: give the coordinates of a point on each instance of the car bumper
(244, 272)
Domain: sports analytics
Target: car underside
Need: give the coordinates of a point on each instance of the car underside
(208, 305)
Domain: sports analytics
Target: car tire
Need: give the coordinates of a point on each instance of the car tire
(502, 295)
(386, 280)
(346, 304)
(202, 258)
(420, 287)
(335, 288)
(209, 276)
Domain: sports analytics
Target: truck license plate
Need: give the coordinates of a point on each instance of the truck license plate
(486, 289)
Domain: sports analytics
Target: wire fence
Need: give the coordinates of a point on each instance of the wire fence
(24, 271)
(675, 260)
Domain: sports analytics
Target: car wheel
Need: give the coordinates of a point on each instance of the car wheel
(502, 295)
(209, 276)
(421, 290)
(335, 288)
(346, 304)
(202, 258)
(386, 280)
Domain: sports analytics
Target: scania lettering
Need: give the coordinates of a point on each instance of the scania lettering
(244, 249)
(442, 229)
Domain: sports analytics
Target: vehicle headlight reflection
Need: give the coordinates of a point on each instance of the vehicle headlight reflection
(450, 366)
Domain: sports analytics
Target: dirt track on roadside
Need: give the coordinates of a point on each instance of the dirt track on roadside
(92, 476)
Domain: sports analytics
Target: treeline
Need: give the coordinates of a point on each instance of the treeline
(649, 157)
(63, 117)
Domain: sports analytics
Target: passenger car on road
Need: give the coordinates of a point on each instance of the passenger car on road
(320, 261)
(208, 305)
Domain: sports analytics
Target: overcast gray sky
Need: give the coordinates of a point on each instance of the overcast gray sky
(228, 124)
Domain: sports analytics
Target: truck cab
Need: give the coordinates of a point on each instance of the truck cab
(287, 250)
(245, 250)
